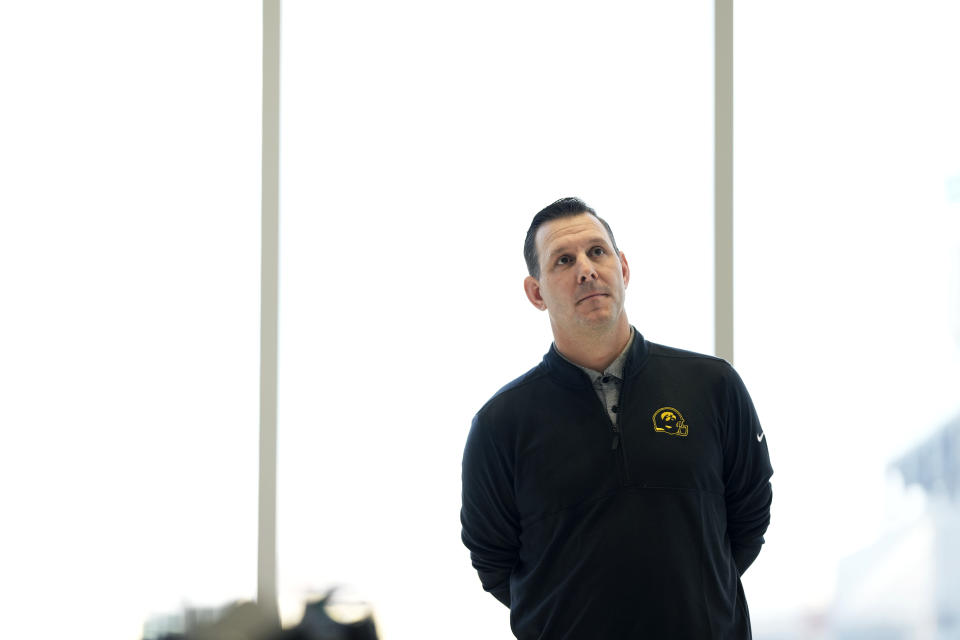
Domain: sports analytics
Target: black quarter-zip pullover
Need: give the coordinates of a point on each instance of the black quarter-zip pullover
(637, 528)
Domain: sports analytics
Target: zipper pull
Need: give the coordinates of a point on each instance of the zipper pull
(616, 441)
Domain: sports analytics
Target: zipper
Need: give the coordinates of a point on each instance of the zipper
(616, 442)
(614, 428)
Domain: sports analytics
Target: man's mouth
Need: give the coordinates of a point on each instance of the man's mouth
(591, 295)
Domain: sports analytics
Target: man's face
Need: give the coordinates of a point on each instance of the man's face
(582, 280)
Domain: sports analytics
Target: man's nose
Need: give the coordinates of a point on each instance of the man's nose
(585, 270)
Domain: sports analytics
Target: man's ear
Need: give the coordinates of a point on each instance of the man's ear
(625, 269)
(532, 288)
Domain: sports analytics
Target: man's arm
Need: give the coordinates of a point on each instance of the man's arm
(747, 472)
(491, 527)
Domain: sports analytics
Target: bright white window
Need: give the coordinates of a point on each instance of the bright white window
(847, 255)
(418, 140)
(129, 274)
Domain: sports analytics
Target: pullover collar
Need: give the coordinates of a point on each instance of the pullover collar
(571, 375)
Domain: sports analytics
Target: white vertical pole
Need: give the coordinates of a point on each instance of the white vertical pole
(269, 282)
(723, 179)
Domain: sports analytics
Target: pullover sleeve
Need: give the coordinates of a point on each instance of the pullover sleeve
(488, 515)
(747, 472)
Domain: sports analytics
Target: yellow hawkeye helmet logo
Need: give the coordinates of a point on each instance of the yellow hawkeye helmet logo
(668, 420)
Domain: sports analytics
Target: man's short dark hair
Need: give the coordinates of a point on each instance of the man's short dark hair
(562, 208)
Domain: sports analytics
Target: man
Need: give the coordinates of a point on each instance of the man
(620, 488)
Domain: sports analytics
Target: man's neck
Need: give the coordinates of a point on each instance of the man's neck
(594, 350)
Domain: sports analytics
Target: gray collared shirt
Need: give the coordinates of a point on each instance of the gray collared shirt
(607, 383)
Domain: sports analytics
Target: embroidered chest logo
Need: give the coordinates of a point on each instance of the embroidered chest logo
(669, 420)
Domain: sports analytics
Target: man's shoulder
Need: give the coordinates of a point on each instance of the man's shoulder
(517, 387)
(516, 390)
(664, 351)
(682, 359)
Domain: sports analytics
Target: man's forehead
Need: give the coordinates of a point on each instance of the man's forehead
(583, 227)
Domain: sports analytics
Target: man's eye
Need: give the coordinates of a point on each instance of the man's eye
(598, 251)
(563, 260)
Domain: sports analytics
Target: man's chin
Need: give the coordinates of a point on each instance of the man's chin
(597, 318)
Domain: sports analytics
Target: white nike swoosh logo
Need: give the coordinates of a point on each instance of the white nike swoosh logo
(760, 437)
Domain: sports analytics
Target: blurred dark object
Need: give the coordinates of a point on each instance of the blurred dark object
(317, 624)
(246, 621)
